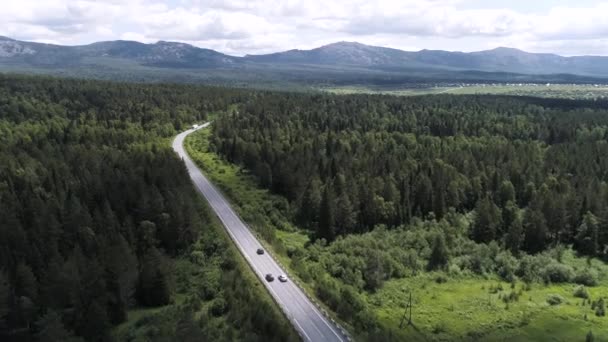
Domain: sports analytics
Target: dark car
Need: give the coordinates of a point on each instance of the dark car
(260, 251)
(269, 277)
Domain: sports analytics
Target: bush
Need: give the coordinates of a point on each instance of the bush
(440, 279)
(506, 265)
(511, 297)
(555, 299)
(586, 277)
(581, 292)
(530, 267)
(600, 308)
(557, 273)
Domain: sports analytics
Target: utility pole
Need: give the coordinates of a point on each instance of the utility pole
(408, 308)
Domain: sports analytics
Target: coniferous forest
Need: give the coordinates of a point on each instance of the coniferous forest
(98, 217)
(452, 198)
(492, 211)
(350, 163)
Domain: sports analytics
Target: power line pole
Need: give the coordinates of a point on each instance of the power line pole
(408, 308)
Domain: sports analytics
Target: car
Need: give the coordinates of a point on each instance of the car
(283, 278)
(260, 251)
(269, 277)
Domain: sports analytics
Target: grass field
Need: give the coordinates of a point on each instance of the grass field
(572, 91)
(462, 306)
(470, 308)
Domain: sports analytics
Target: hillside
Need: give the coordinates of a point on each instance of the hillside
(338, 64)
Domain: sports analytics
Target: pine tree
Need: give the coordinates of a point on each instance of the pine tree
(587, 239)
(51, 329)
(535, 231)
(327, 215)
(487, 221)
(4, 293)
(25, 282)
(345, 216)
(153, 289)
(515, 235)
(440, 256)
(311, 204)
(506, 193)
(95, 324)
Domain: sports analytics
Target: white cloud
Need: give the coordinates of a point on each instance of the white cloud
(259, 26)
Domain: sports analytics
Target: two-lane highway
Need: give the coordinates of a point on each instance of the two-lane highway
(310, 323)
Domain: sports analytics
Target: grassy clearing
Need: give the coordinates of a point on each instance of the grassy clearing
(572, 91)
(469, 308)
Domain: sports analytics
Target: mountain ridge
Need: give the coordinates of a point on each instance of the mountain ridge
(341, 57)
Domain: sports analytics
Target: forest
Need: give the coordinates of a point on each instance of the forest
(98, 218)
(376, 194)
(490, 211)
(351, 163)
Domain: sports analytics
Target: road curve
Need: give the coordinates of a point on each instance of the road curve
(310, 323)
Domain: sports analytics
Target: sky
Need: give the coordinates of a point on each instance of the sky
(240, 27)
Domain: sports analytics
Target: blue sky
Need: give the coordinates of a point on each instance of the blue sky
(241, 27)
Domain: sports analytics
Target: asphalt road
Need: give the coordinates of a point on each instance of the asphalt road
(310, 323)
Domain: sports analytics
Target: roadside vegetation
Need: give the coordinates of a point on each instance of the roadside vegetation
(488, 259)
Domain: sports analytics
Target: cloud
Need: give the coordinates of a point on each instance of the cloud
(257, 26)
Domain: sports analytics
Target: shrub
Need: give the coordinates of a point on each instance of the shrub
(439, 327)
(440, 279)
(557, 273)
(506, 265)
(581, 292)
(511, 297)
(600, 308)
(530, 267)
(586, 277)
(555, 299)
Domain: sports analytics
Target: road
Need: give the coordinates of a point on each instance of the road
(310, 323)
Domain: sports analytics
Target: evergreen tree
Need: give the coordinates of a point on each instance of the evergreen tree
(51, 329)
(506, 193)
(440, 256)
(4, 297)
(535, 231)
(487, 221)
(153, 289)
(25, 282)
(327, 221)
(515, 235)
(587, 239)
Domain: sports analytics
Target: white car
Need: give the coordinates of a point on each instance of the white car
(282, 278)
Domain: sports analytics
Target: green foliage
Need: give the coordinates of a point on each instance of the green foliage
(93, 202)
(410, 174)
(440, 257)
(581, 292)
(50, 329)
(586, 277)
(555, 299)
(600, 308)
(348, 164)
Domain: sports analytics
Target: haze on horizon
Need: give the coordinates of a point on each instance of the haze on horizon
(240, 27)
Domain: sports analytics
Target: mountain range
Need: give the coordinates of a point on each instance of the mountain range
(334, 63)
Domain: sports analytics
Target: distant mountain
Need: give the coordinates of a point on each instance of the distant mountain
(497, 60)
(161, 54)
(346, 53)
(340, 63)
